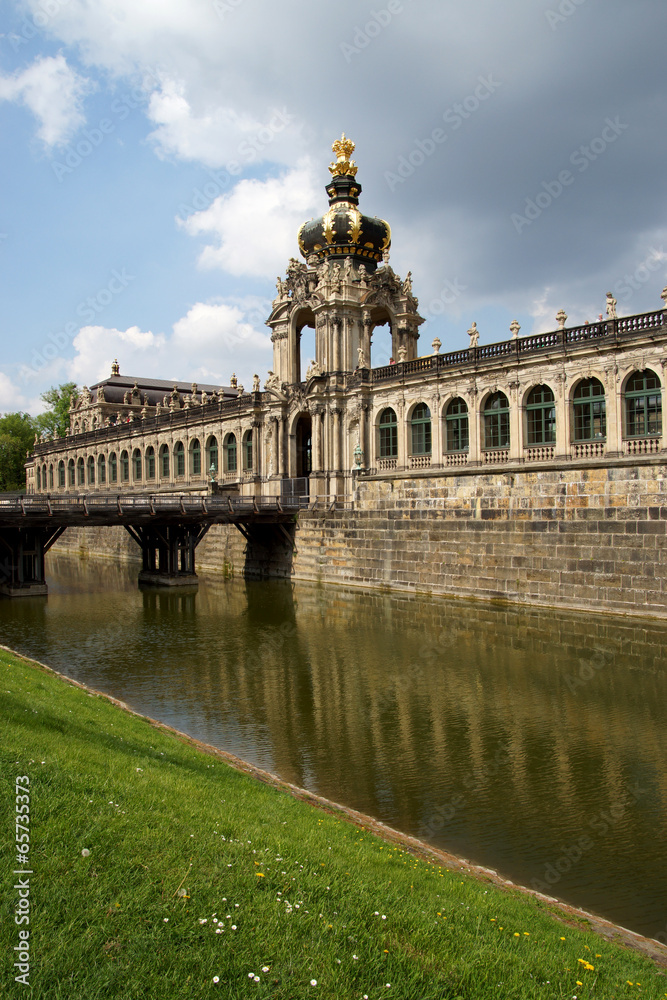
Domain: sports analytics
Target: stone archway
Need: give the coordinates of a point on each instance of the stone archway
(304, 446)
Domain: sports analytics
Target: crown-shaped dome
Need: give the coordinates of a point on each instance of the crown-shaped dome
(343, 231)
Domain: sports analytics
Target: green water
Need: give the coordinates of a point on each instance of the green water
(529, 741)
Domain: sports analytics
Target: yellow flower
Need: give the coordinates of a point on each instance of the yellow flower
(516, 934)
(579, 983)
(259, 874)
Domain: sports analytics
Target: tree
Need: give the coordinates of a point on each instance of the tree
(17, 435)
(56, 418)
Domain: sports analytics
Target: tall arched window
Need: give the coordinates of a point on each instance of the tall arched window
(421, 430)
(643, 405)
(44, 476)
(195, 458)
(91, 470)
(590, 420)
(388, 427)
(70, 472)
(164, 461)
(101, 470)
(212, 454)
(458, 435)
(80, 473)
(61, 474)
(124, 467)
(38, 475)
(150, 462)
(230, 453)
(50, 477)
(496, 421)
(136, 465)
(541, 416)
(179, 458)
(247, 451)
(113, 468)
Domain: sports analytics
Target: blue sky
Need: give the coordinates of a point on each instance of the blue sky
(157, 158)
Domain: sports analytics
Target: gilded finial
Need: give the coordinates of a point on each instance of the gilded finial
(343, 148)
(115, 370)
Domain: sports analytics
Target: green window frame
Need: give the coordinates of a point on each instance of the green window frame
(124, 467)
(113, 468)
(212, 454)
(80, 473)
(230, 453)
(496, 422)
(136, 465)
(457, 426)
(101, 470)
(420, 425)
(61, 474)
(388, 428)
(247, 451)
(643, 405)
(179, 458)
(590, 415)
(541, 416)
(164, 461)
(195, 457)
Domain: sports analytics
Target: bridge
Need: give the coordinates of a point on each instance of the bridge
(168, 528)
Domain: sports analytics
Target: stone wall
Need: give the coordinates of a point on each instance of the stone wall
(586, 538)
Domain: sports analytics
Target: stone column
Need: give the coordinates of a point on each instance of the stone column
(562, 419)
(335, 412)
(256, 459)
(402, 431)
(366, 336)
(474, 428)
(274, 446)
(317, 439)
(363, 415)
(336, 323)
(614, 409)
(436, 433)
(516, 442)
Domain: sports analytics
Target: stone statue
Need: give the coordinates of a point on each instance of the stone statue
(407, 284)
(313, 370)
(514, 329)
(281, 288)
(335, 278)
(473, 333)
(255, 384)
(272, 381)
(611, 306)
(158, 408)
(361, 354)
(204, 399)
(240, 389)
(362, 275)
(347, 269)
(233, 381)
(100, 395)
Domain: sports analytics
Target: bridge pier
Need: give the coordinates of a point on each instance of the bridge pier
(168, 553)
(22, 552)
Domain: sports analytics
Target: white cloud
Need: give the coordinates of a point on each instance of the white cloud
(12, 398)
(97, 346)
(54, 92)
(255, 226)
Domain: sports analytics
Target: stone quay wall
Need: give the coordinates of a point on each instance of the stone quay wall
(588, 538)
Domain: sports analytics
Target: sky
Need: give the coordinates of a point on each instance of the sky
(157, 158)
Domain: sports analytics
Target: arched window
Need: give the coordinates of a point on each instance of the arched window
(124, 467)
(212, 454)
(61, 474)
(590, 421)
(136, 465)
(150, 462)
(164, 461)
(91, 470)
(80, 473)
(44, 476)
(70, 472)
(457, 430)
(541, 415)
(388, 426)
(113, 468)
(643, 405)
(101, 470)
(421, 430)
(50, 477)
(230, 453)
(179, 458)
(496, 421)
(39, 478)
(247, 451)
(195, 458)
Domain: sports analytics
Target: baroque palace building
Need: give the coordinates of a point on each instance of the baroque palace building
(587, 395)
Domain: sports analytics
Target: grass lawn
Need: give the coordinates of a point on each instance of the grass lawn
(159, 871)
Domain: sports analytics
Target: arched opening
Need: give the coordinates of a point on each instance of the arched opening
(136, 465)
(541, 416)
(246, 450)
(150, 462)
(382, 350)
(590, 418)
(61, 474)
(212, 455)
(113, 468)
(457, 432)
(643, 405)
(179, 459)
(101, 470)
(304, 446)
(124, 467)
(195, 458)
(70, 473)
(80, 473)
(230, 453)
(420, 424)
(304, 343)
(164, 461)
(496, 422)
(388, 428)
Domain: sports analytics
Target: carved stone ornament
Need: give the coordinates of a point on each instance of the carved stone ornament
(473, 333)
(514, 329)
(611, 306)
(314, 369)
(561, 319)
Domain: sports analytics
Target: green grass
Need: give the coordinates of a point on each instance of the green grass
(178, 840)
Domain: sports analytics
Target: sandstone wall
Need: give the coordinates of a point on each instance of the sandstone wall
(578, 538)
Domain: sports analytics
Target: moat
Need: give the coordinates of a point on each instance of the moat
(529, 741)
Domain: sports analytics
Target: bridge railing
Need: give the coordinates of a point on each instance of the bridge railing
(128, 503)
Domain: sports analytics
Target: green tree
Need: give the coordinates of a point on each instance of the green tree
(17, 435)
(56, 418)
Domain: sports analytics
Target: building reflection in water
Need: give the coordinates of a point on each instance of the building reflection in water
(526, 740)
